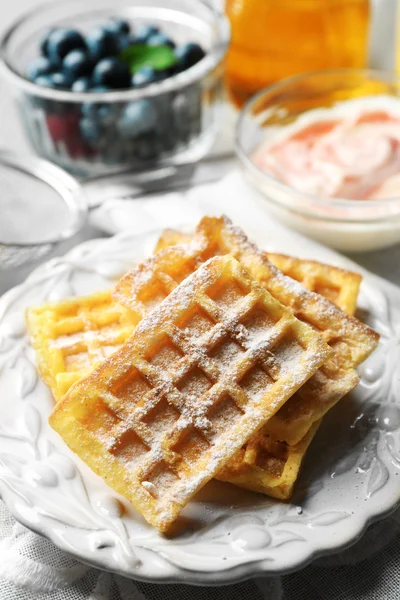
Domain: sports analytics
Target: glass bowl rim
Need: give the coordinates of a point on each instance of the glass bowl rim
(64, 184)
(247, 162)
(174, 83)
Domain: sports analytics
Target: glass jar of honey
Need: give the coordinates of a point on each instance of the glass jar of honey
(273, 39)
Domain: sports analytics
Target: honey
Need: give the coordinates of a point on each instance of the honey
(273, 39)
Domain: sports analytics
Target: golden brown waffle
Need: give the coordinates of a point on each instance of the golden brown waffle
(195, 381)
(147, 284)
(171, 237)
(266, 466)
(280, 462)
(71, 336)
(337, 285)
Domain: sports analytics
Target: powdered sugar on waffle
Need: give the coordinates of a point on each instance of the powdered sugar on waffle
(66, 341)
(233, 426)
(201, 277)
(151, 488)
(193, 413)
(342, 323)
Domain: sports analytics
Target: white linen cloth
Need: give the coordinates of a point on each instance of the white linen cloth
(31, 568)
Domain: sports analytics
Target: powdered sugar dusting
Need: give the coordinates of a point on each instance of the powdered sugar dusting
(306, 305)
(185, 394)
(151, 488)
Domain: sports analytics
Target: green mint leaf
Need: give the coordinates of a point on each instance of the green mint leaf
(140, 55)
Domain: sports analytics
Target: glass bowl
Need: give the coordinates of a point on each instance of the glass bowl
(184, 107)
(348, 225)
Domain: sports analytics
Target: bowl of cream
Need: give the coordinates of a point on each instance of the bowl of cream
(324, 151)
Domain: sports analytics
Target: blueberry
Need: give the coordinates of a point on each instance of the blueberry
(89, 109)
(113, 73)
(106, 114)
(125, 41)
(144, 76)
(61, 81)
(81, 85)
(98, 110)
(118, 27)
(160, 39)
(63, 41)
(44, 44)
(137, 118)
(54, 80)
(143, 32)
(40, 66)
(45, 81)
(162, 74)
(187, 56)
(91, 130)
(77, 64)
(102, 43)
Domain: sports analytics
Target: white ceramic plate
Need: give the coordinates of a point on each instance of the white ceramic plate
(350, 478)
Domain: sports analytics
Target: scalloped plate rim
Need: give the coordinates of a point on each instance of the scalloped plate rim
(248, 570)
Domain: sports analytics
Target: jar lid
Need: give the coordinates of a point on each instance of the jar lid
(40, 203)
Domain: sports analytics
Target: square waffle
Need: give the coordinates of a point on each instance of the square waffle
(145, 286)
(71, 336)
(195, 381)
(339, 286)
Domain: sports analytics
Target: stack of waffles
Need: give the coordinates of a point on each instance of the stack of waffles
(211, 359)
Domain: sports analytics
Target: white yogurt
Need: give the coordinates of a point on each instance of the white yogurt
(350, 151)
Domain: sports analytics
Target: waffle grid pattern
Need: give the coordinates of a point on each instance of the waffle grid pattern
(267, 466)
(338, 285)
(351, 340)
(195, 381)
(72, 336)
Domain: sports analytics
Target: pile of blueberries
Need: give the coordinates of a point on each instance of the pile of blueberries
(115, 132)
(71, 61)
